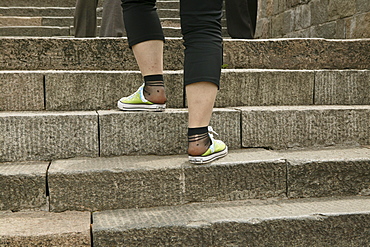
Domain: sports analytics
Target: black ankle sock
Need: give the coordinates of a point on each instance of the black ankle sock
(197, 131)
(153, 80)
(199, 135)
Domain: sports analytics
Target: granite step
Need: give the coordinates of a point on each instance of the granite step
(45, 229)
(68, 11)
(167, 4)
(66, 90)
(91, 184)
(67, 21)
(58, 135)
(114, 54)
(308, 222)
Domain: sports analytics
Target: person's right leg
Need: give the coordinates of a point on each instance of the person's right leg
(201, 28)
(85, 18)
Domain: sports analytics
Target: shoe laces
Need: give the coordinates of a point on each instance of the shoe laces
(211, 132)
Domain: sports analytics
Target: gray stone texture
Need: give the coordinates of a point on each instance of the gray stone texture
(39, 3)
(341, 222)
(297, 54)
(45, 229)
(325, 19)
(345, 87)
(323, 173)
(48, 135)
(305, 126)
(97, 90)
(123, 133)
(240, 175)
(23, 185)
(19, 21)
(265, 87)
(35, 31)
(118, 182)
(302, 17)
(36, 11)
(114, 54)
(338, 9)
(319, 11)
(21, 91)
(358, 26)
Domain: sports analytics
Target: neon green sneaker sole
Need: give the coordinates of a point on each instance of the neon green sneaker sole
(137, 102)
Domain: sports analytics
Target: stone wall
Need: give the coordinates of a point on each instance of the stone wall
(333, 19)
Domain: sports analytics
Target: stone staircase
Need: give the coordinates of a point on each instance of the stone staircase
(75, 171)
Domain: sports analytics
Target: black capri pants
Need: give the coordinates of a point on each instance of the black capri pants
(200, 27)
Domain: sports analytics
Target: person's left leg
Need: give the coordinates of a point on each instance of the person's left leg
(146, 39)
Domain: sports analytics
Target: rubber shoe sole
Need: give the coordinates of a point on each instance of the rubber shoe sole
(200, 160)
(141, 107)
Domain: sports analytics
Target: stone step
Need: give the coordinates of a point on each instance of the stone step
(167, 4)
(114, 54)
(45, 229)
(66, 90)
(68, 11)
(90, 184)
(58, 135)
(67, 21)
(319, 222)
(35, 31)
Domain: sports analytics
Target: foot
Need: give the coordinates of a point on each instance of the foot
(202, 153)
(138, 102)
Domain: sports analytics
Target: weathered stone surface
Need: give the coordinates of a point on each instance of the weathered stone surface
(302, 18)
(362, 6)
(45, 229)
(340, 172)
(20, 21)
(21, 91)
(341, 222)
(319, 11)
(305, 126)
(240, 175)
(124, 133)
(36, 11)
(23, 185)
(345, 87)
(265, 87)
(68, 90)
(358, 27)
(47, 135)
(297, 54)
(114, 54)
(338, 9)
(119, 182)
(35, 31)
(39, 3)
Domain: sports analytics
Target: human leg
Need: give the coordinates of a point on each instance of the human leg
(112, 19)
(201, 28)
(85, 18)
(146, 38)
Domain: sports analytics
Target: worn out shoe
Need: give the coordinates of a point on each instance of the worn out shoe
(137, 102)
(218, 149)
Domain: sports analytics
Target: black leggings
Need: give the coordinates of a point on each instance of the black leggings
(201, 30)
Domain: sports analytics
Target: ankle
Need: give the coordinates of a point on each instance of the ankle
(199, 141)
(154, 90)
